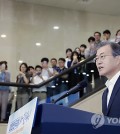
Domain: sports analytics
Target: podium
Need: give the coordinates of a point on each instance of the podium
(56, 119)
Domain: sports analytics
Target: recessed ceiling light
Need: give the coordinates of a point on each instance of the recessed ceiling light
(56, 27)
(20, 61)
(3, 36)
(38, 44)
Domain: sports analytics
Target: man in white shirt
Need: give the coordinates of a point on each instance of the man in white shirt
(41, 92)
(108, 64)
(106, 35)
(47, 72)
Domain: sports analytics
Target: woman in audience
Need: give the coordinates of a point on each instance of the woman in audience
(22, 92)
(77, 49)
(117, 39)
(4, 90)
(82, 51)
(68, 57)
(75, 75)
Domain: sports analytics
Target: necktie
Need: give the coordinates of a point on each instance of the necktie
(104, 102)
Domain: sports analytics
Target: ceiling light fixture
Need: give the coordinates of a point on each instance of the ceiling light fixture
(56, 27)
(20, 61)
(3, 35)
(38, 44)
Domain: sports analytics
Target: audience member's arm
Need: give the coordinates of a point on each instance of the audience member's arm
(87, 53)
(26, 80)
(49, 72)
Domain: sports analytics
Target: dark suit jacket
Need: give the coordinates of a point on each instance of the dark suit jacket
(113, 109)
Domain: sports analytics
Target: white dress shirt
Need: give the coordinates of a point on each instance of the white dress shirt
(110, 85)
(37, 80)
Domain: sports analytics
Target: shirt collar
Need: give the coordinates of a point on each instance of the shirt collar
(113, 80)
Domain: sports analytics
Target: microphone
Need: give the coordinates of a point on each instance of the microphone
(73, 90)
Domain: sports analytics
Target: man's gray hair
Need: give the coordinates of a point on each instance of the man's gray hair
(114, 46)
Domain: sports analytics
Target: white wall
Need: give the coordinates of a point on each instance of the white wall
(3, 128)
(92, 103)
(26, 24)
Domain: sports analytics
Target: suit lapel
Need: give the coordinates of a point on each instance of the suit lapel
(114, 92)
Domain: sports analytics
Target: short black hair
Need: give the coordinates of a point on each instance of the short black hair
(83, 45)
(68, 49)
(4, 62)
(97, 33)
(91, 39)
(38, 66)
(62, 59)
(45, 59)
(107, 32)
(54, 59)
(29, 67)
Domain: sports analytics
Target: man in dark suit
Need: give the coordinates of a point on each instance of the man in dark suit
(108, 64)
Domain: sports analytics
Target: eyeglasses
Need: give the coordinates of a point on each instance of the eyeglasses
(101, 57)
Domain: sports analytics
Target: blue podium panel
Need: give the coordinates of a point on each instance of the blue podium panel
(55, 119)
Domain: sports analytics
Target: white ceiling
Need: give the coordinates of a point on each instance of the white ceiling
(109, 7)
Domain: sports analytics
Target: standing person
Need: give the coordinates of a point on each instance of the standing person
(22, 92)
(117, 38)
(75, 75)
(82, 51)
(47, 72)
(77, 49)
(53, 62)
(97, 36)
(108, 64)
(4, 90)
(91, 69)
(68, 57)
(41, 92)
(106, 35)
(62, 82)
(30, 72)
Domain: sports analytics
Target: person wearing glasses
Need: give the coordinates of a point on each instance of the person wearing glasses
(108, 65)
